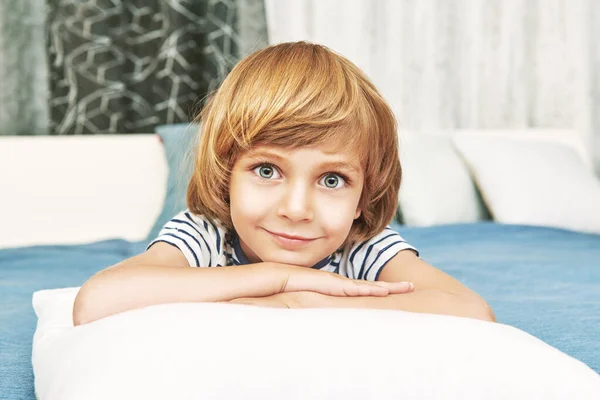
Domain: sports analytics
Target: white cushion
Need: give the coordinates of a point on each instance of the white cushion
(533, 183)
(79, 189)
(436, 186)
(568, 137)
(215, 350)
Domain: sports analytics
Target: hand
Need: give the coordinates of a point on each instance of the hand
(296, 279)
(280, 300)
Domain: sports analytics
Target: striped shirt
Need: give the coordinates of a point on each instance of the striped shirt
(206, 243)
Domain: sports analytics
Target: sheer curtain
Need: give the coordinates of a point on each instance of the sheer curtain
(465, 63)
(23, 70)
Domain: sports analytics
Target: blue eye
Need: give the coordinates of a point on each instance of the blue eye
(265, 171)
(331, 181)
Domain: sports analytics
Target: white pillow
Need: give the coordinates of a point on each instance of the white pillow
(216, 350)
(567, 137)
(61, 190)
(533, 183)
(436, 186)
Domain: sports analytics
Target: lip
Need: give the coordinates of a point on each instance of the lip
(292, 241)
(283, 235)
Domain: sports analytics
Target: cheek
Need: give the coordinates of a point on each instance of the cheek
(336, 210)
(247, 200)
(337, 215)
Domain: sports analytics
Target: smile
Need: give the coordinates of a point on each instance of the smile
(290, 241)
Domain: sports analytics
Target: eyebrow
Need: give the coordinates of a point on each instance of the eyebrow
(348, 166)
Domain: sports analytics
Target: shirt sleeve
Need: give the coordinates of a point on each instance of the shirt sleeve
(367, 259)
(197, 237)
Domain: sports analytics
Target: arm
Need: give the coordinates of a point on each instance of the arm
(442, 294)
(431, 301)
(435, 292)
(162, 275)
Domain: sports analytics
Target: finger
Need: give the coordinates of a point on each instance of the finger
(243, 300)
(373, 289)
(364, 288)
(399, 287)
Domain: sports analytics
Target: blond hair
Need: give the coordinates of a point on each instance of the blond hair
(293, 95)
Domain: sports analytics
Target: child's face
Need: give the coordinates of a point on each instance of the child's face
(295, 193)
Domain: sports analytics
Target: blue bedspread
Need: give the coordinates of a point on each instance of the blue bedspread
(543, 281)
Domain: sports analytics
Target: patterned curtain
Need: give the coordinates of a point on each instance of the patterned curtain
(125, 66)
(117, 66)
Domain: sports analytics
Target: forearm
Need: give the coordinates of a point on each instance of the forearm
(127, 287)
(422, 301)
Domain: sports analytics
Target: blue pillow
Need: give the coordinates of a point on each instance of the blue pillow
(179, 141)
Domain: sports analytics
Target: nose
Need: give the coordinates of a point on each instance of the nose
(296, 203)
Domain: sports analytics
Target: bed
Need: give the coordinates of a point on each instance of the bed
(545, 281)
(541, 280)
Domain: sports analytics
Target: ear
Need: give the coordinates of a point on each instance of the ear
(357, 213)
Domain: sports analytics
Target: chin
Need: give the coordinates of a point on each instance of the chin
(297, 259)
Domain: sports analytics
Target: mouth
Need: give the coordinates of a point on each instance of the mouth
(289, 240)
